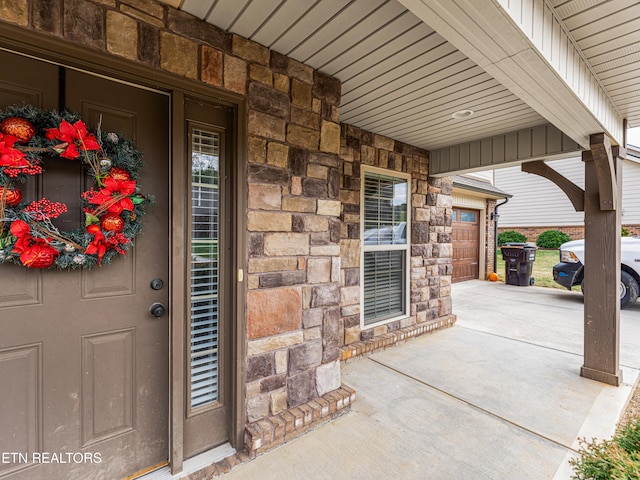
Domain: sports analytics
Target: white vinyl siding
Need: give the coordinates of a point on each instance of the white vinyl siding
(630, 192)
(537, 202)
(468, 201)
(486, 175)
(385, 246)
(565, 37)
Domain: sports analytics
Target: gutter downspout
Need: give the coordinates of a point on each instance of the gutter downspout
(495, 216)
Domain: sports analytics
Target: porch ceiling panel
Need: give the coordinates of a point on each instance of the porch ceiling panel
(608, 33)
(403, 77)
(399, 77)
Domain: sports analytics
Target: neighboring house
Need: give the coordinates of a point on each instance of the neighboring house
(302, 157)
(473, 226)
(539, 205)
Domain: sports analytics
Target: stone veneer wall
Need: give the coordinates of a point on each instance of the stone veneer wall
(303, 195)
(431, 248)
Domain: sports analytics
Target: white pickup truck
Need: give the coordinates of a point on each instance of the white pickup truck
(570, 270)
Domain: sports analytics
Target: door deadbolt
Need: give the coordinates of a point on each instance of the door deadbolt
(157, 310)
(157, 284)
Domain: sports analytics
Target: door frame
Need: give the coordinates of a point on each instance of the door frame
(55, 50)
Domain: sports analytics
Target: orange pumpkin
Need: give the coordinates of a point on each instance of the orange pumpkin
(493, 277)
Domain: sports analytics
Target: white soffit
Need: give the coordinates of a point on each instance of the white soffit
(515, 63)
(399, 77)
(526, 47)
(608, 33)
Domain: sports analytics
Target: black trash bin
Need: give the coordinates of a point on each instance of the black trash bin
(518, 263)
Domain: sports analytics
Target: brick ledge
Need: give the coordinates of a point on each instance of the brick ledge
(275, 430)
(357, 349)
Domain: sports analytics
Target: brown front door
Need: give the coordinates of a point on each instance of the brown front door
(83, 365)
(466, 244)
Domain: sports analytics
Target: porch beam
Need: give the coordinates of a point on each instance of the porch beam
(574, 192)
(544, 142)
(603, 156)
(602, 265)
(527, 47)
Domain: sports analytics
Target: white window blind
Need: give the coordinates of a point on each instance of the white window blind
(384, 291)
(384, 246)
(205, 151)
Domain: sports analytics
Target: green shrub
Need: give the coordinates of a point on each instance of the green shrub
(618, 458)
(511, 236)
(624, 232)
(552, 239)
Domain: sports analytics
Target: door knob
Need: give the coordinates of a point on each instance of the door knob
(157, 309)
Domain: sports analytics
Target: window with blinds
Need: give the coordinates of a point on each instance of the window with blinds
(385, 243)
(205, 151)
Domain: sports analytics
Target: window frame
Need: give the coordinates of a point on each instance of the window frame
(406, 247)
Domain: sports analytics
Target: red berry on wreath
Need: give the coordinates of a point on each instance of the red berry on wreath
(119, 174)
(19, 128)
(112, 222)
(11, 196)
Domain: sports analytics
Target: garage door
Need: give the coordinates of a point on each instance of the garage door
(466, 244)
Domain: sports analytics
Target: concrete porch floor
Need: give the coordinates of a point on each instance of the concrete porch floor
(497, 396)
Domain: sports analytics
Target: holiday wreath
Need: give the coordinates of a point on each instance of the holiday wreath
(112, 207)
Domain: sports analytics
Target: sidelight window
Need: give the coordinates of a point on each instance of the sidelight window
(205, 199)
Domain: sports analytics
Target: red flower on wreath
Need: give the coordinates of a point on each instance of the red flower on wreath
(75, 135)
(98, 245)
(9, 156)
(114, 195)
(34, 252)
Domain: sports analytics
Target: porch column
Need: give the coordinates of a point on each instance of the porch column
(603, 188)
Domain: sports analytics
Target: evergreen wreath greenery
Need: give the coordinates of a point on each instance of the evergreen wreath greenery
(113, 207)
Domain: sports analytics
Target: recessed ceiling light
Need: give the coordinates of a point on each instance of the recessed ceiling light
(462, 113)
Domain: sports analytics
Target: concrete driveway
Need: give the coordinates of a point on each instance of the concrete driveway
(497, 396)
(546, 317)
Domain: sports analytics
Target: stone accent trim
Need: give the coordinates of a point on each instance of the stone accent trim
(364, 347)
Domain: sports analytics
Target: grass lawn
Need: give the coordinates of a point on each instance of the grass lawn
(542, 268)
